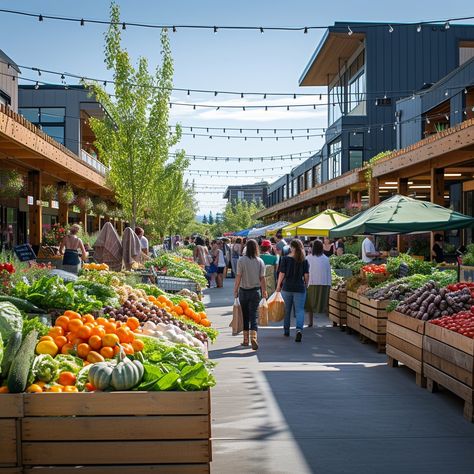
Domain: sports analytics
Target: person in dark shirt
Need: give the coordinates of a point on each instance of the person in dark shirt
(292, 282)
(437, 251)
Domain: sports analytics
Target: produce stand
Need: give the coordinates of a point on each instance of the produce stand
(373, 321)
(337, 308)
(448, 360)
(405, 343)
(174, 284)
(129, 432)
(353, 312)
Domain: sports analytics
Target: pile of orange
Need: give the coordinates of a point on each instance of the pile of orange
(93, 340)
(181, 309)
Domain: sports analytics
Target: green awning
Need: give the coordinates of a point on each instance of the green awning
(402, 215)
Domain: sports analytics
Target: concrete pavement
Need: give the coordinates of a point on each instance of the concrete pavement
(329, 405)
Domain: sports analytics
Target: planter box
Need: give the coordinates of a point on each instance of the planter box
(337, 308)
(466, 274)
(373, 320)
(405, 343)
(128, 432)
(353, 312)
(448, 360)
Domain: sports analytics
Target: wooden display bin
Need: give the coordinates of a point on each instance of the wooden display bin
(11, 412)
(373, 320)
(126, 432)
(405, 343)
(337, 308)
(448, 360)
(353, 312)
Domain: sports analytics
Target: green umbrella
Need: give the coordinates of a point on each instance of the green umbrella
(402, 215)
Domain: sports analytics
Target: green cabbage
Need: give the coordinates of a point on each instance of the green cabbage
(10, 320)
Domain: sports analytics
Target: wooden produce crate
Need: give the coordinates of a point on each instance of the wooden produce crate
(11, 411)
(405, 343)
(448, 360)
(373, 321)
(337, 308)
(353, 312)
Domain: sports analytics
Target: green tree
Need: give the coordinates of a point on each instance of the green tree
(238, 215)
(210, 219)
(204, 219)
(134, 139)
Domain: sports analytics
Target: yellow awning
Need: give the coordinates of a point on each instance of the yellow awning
(318, 225)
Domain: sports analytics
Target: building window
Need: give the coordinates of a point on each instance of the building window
(335, 159)
(317, 175)
(356, 140)
(355, 159)
(357, 86)
(49, 119)
(309, 179)
(301, 186)
(336, 102)
(466, 51)
(4, 99)
(285, 196)
(240, 195)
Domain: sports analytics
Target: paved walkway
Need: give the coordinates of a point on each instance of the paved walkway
(328, 405)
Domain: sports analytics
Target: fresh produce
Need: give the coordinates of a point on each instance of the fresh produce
(126, 292)
(414, 265)
(468, 257)
(7, 267)
(95, 266)
(106, 294)
(462, 323)
(21, 304)
(121, 374)
(35, 322)
(431, 302)
(347, 261)
(455, 286)
(182, 308)
(9, 352)
(10, 320)
(373, 268)
(21, 365)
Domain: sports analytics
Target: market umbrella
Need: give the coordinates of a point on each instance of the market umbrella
(402, 215)
(242, 233)
(132, 248)
(319, 225)
(257, 232)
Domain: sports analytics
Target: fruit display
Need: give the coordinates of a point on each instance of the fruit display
(95, 266)
(462, 323)
(376, 269)
(431, 301)
(337, 283)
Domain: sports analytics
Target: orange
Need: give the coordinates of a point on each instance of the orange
(72, 314)
(94, 357)
(178, 310)
(83, 350)
(95, 342)
(133, 323)
(41, 383)
(125, 334)
(110, 328)
(84, 332)
(90, 387)
(75, 324)
(46, 338)
(70, 389)
(101, 320)
(55, 388)
(206, 323)
(63, 321)
(138, 345)
(116, 350)
(76, 341)
(107, 352)
(34, 388)
(98, 331)
(60, 341)
(183, 304)
(110, 340)
(188, 312)
(56, 331)
(128, 349)
(88, 318)
(4, 389)
(66, 378)
(67, 348)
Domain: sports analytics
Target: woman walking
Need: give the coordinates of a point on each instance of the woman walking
(293, 279)
(69, 248)
(317, 296)
(236, 253)
(249, 288)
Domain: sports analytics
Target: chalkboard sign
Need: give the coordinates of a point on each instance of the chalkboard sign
(24, 252)
(403, 270)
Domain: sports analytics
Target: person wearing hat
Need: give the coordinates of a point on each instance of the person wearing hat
(270, 262)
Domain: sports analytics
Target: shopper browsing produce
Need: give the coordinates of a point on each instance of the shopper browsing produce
(369, 252)
(293, 279)
(249, 282)
(143, 240)
(69, 247)
(317, 295)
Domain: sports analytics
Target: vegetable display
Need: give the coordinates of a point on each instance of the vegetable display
(414, 265)
(347, 261)
(376, 269)
(462, 323)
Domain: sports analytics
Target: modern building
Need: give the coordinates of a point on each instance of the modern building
(366, 69)
(247, 192)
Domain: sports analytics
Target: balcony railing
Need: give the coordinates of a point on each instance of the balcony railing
(94, 163)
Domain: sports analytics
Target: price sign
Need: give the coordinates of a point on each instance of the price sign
(24, 252)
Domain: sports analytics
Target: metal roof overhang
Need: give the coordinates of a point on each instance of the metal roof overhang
(326, 60)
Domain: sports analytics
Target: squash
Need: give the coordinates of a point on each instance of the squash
(121, 374)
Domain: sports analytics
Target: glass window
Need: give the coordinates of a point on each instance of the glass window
(317, 175)
(56, 132)
(309, 179)
(284, 192)
(335, 160)
(301, 186)
(240, 194)
(31, 114)
(51, 114)
(356, 140)
(355, 159)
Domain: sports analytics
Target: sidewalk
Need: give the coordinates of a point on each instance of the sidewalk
(328, 405)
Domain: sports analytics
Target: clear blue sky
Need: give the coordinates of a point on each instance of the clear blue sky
(243, 61)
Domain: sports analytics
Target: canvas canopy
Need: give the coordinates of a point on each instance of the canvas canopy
(402, 215)
(257, 232)
(318, 225)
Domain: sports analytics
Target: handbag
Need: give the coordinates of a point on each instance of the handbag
(237, 323)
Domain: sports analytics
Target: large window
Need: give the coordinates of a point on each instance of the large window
(301, 186)
(48, 119)
(285, 195)
(335, 160)
(357, 87)
(317, 175)
(4, 98)
(355, 159)
(336, 102)
(309, 179)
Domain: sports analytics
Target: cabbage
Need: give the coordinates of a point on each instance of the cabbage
(10, 320)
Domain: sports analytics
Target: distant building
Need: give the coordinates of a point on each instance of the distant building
(247, 192)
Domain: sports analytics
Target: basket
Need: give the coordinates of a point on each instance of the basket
(174, 284)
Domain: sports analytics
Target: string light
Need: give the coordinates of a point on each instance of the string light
(390, 29)
(349, 31)
(82, 22)
(418, 29)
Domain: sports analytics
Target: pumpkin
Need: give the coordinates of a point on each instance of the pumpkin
(121, 374)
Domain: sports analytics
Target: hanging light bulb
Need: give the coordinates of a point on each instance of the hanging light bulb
(349, 31)
(215, 29)
(418, 29)
(174, 29)
(261, 30)
(63, 77)
(40, 18)
(37, 85)
(305, 31)
(82, 22)
(390, 29)
(124, 26)
(447, 25)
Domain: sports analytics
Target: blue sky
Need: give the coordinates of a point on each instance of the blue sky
(228, 60)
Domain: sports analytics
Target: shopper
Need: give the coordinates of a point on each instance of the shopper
(227, 257)
(200, 252)
(328, 247)
(250, 287)
(143, 240)
(221, 265)
(339, 246)
(69, 248)
(214, 265)
(317, 295)
(369, 252)
(270, 262)
(293, 279)
(437, 251)
(236, 253)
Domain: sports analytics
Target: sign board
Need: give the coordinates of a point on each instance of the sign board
(24, 252)
(54, 205)
(30, 200)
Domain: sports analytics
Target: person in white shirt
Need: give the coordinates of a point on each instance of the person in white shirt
(143, 240)
(369, 252)
(319, 283)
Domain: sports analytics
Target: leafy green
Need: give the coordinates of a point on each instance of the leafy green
(68, 363)
(414, 265)
(34, 323)
(83, 377)
(44, 368)
(347, 261)
(10, 319)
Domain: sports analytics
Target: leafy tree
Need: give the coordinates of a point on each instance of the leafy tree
(204, 219)
(210, 219)
(133, 139)
(238, 215)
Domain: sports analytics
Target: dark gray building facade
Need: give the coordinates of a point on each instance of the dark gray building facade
(247, 192)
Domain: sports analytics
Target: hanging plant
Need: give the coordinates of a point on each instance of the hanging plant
(66, 194)
(370, 164)
(49, 192)
(11, 184)
(100, 208)
(84, 202)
